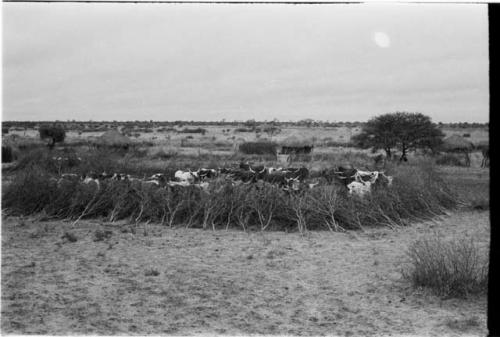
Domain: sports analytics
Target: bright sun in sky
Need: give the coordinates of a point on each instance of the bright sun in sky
(382, 39)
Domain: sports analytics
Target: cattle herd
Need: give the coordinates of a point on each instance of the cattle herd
(355, 181)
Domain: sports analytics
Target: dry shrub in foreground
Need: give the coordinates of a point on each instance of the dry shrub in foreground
(449, 268)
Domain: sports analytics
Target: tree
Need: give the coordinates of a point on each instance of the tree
(405, 131)
(54, 133)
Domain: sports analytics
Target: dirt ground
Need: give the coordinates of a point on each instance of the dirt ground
(189, 281)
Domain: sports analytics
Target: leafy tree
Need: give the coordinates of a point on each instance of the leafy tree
(405, 131)
(54, 133)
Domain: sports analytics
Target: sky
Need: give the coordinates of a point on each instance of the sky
(164, 62)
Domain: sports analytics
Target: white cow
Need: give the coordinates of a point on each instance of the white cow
(204, 186)
(186, 176)
(178, 183)
(274, 170)
(359, 188)
(89, 180)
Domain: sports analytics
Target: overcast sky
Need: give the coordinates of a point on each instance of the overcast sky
(209, 62)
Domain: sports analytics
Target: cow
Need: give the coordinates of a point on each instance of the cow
(160, 178)
(312, 185)
(178, 183)
(384, 180)
(188, 176)
(204, 173)
(120, 176)
(359, 188)
(244, 176)
(89, 180)
(364, 176)
(104, 176)
(276, 178)
(245, 166)
(271, 170)
(203, 185)
(300, 173)
(224, 170)
(293, 184)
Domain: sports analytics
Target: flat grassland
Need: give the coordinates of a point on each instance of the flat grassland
(226, 282)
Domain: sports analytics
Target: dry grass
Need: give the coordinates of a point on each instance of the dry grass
(225, 282)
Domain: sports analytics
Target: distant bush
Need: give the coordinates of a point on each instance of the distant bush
(258, 148)
(466, 135)
(5, 130)
(449, 159)
(196, 130)
(244, 130)
(449, 268)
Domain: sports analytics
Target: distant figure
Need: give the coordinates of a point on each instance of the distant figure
(485, 150)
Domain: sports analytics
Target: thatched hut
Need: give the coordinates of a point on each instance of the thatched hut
(458, 144)
(294, 145)
(113, 138)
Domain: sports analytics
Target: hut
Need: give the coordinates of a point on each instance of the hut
(458, 144)
(113, 138)
(293, 145)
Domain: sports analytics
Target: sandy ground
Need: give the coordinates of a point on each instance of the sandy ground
(225, 282)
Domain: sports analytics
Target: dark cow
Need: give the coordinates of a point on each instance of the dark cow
(120, 177)
(244, 176)
(297, 173)
(341, 175)
(160, 178)
(245, 166)
(204, 173)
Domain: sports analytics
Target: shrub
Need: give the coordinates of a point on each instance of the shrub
(30, 191)
(466, 135)
(5, 130)
(258, 148)
(244, 130)
(417, 193)
(196, 130)
(449, 268)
